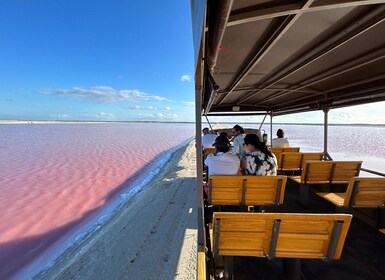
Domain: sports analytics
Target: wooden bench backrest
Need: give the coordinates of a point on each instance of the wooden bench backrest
(365, 192)
(291, 149)
(329, 171)
(246, 190)
(311, 156)
(277, 152)
(290, 161)
(293, 161)
(208, 151)
(345, 170)
(282, 235)
(316, 171)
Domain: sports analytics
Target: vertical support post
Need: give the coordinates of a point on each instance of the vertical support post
(326, 111)
(271, 128)
(199, 170)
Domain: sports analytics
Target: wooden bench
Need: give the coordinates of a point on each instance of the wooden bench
(278, 152)
(325, 173)
(362, 192)
(293, 161)
(279, 235)
(246, 190)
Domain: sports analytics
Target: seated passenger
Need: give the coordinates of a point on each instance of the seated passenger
(222, 162)
(238, 135)
(280, 142)
(208, 139)
(258, 159)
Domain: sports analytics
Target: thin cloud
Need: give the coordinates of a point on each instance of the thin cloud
(156, 116)
(103, 115)
(141, 108)
(168, 108)
(185, 78)
(59, 116)
(104, 94)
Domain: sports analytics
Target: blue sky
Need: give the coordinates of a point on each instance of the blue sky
(114, 60)
(96, 60)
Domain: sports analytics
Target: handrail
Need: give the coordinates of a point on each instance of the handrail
(373, 172)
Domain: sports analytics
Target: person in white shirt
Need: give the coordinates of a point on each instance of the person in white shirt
(208, 139)
(280, 142)
(222, 162)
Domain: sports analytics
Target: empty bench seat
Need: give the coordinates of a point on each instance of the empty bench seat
(362, 192)
(279, 235)
(246, 190)
(325, 173)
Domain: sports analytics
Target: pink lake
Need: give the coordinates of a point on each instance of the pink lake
(58, 178)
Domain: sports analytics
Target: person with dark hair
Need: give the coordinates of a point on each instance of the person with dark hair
(280, 142)
(258, 160)
(222, 162)
(238, 135)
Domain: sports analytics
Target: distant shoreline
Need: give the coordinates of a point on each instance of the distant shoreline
(113, 122)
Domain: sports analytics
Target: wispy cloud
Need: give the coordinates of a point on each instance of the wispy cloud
(185, 78)
(59, 116)
(157, 116)
(104, 94)
(103, 115)
(168, 108)
(141, 108)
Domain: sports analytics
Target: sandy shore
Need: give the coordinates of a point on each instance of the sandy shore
(153, 237)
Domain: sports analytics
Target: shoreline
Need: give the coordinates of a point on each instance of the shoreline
(157, 226)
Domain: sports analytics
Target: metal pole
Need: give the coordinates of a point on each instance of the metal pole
(199, 169)
(325, 110)
(271, 129)
(207, 119)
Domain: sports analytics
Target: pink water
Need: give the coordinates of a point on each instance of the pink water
(56, 177)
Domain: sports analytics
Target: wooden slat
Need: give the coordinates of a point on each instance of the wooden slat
(226, 190)
(260, 190)
(316, 172)
(344, 170)
(291, 161)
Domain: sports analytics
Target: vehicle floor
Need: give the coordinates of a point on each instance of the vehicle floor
(363, 256)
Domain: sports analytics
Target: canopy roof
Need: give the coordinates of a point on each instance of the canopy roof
(284, 57)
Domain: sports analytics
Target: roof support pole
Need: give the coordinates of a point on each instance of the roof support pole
(326, 111)
(199, 170)
(271, 128)
(207, 119)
